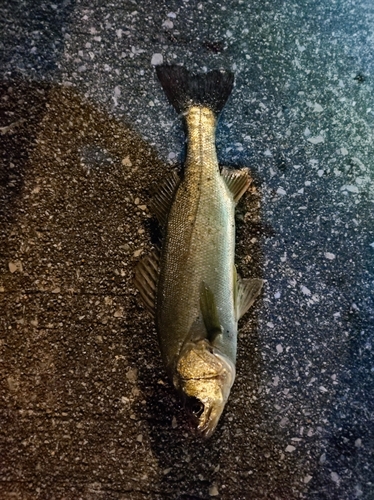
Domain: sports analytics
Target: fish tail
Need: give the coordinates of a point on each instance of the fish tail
(185, 89)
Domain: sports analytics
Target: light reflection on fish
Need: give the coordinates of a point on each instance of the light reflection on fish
(192, 287)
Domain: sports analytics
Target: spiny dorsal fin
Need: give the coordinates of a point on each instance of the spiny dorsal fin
(247, 290)
(238, 181)
(145, 280)
(161, 202)
(209, 312)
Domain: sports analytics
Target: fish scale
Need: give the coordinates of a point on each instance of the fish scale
(199, 245)
(192, 288)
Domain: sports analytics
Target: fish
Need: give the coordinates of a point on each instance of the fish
(191, 286)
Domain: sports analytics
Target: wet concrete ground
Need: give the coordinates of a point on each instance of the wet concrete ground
(86, 136)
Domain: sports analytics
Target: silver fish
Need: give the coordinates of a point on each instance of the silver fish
(192, 287)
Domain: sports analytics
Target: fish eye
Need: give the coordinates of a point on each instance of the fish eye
(195, 406)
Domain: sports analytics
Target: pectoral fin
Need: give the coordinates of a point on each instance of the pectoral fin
(246, 292)
(238, 181)
(145, 280)
(209, 312)
(162, 200)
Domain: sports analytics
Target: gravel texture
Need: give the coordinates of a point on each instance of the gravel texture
(86, 410)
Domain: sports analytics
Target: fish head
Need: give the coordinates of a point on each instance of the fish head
(205, 377)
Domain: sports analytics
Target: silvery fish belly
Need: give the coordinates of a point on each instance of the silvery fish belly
(192, 287)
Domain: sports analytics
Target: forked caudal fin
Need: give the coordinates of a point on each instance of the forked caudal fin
(185, 89)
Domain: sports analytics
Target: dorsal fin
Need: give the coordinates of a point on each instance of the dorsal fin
(145, 279)
(238, 181)
(209, 312)
(161, 202)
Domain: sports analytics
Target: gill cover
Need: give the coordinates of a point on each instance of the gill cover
(206, 375)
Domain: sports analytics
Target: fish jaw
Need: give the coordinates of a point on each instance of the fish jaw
(205, 375)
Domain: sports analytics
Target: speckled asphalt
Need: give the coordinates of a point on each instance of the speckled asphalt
(86, 135)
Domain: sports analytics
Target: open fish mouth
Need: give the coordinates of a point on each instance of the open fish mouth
(209, 419)
(206, 389)
(204, 416)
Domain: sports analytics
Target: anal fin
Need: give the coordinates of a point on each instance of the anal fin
(145, 280)
(238, 181)
(161, 202)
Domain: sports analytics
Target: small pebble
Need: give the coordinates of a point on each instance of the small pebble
(15, 266)
(126, 162)
(118, 313)
(316, 140)
(157, 59)
(213, 491)
(290, 448)
(168, 24)
(131, 375)
(350, 188)
(335, 477)
(329, 255)
(317, 108)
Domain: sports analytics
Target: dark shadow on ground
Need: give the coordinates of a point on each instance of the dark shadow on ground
(72, 222)
(87, 409)
(23, 107)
